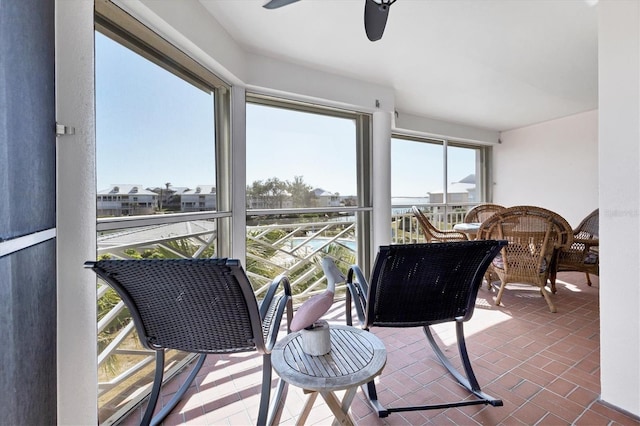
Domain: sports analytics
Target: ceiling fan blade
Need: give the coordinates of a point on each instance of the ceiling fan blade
(375, 18)
(274, 4)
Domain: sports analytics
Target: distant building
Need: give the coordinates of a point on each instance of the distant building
(126, 200)
(169, 197)
(202, 198)
(325, 198)
(462, 192)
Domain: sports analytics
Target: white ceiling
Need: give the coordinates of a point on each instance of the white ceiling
(495, 64)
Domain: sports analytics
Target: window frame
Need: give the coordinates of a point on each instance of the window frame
(363, 211)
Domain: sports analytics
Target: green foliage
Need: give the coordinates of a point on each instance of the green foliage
(273, 192)
(300, 192)
(147, 254)
(183, 246)
(104, 305)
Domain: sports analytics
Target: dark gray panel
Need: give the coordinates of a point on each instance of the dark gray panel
(28, 325)
(8, 395)
(27, 117)
(27, 204)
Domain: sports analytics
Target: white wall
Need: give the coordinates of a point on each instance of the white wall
(552, 165)
(76, 216)
(619, 121)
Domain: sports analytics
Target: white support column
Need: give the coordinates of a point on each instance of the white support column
(239, 172)
(77, 371)
(381, 180)
(619, 155)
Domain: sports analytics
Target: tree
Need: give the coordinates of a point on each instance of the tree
(300, 192)
(271, 192)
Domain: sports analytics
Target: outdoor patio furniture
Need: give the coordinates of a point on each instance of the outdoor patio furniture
(471, 225)
(419, 285)
(433, 234)
(204, 306)
(482, 212)
(535, 236)
(355, 358)
(583, 255)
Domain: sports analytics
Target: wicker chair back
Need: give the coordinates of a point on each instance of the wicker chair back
(433, 234)
(482, 212)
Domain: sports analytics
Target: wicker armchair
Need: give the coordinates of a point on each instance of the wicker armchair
(535, 236)
(583, 254)
(419, 285)
(433, 234)
(202, 306)
(482, 212)
(479, 214)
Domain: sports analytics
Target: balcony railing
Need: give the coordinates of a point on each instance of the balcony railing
(292, 245)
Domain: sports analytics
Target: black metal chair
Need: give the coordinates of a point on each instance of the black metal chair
(419, 285)
(204, 306)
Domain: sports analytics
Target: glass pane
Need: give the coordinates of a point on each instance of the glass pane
(299, 159)
(155, 137)
(416, 173)
(294, 245)
(464, 188)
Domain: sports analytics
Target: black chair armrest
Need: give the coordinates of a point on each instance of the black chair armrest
(272, 309)
(359, 290)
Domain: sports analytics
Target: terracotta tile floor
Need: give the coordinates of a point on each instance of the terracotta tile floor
(544, 366)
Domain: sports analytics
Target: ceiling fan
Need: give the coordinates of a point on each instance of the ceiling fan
(375, 15)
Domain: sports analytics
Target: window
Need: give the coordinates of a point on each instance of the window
(155, 132)
(417, 170)
(303, 201)
(313, 158)
(158, 115)
(445, 178)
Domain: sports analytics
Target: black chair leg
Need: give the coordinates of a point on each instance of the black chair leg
(270, 408)
(470, 382)
(265, 391)
(179, 393)
(370, 392)
(155, 390)
(277, 403)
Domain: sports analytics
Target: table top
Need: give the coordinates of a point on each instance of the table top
(356, 357)
(466, 227)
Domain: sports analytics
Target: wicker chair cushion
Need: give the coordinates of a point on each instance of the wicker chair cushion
(591, 258)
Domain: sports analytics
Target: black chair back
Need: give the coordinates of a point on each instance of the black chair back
(422, 284)
(194, 305)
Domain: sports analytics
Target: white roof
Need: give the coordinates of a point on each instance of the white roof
(126, 189)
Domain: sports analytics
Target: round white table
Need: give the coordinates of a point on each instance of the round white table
(471, 229)
(356, 357)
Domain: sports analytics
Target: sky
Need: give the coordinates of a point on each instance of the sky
(153, 128)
